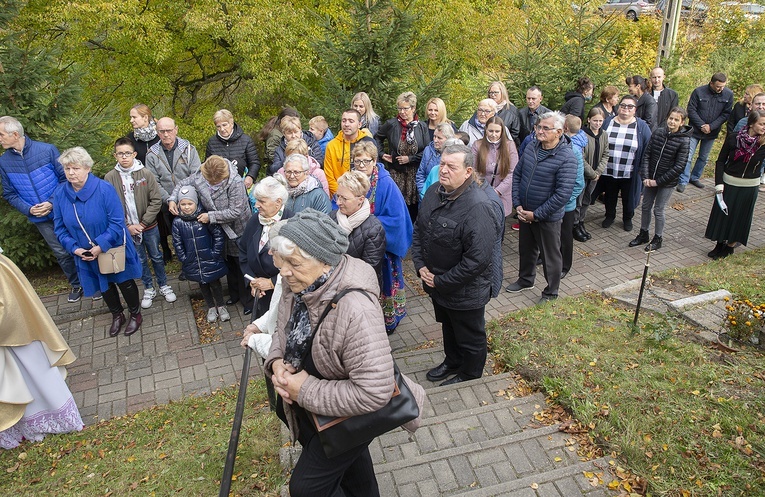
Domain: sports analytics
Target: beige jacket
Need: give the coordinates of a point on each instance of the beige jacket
(350, 348)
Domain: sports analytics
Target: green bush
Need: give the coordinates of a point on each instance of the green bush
(21, 241)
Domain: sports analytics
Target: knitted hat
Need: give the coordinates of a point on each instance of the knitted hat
(317, 235)
(189, 193)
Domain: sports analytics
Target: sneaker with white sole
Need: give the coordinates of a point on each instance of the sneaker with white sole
(148, 297)
(212, 315)
(167, 292)
(223, 313)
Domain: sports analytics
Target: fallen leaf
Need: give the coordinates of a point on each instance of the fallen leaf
(13, 468)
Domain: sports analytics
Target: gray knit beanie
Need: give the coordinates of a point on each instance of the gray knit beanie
(188, 192)
(317, 235)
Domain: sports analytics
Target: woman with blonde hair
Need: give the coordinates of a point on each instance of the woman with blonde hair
(369, 120)
(231, 143)
(505, 109)
(223, 196)
(436, 110)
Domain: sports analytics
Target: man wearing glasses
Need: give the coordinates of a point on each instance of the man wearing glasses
(543, 181)
(170, 160)
(337, 158)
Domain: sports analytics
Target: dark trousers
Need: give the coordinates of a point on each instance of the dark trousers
(533, 239)
(129, 291)
(238, 287)
(567, 240)
(213, 294)
(165, 222)
(464, 333)
(611, 187)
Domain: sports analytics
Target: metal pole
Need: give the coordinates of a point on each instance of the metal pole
(642, 287)
(233, 442)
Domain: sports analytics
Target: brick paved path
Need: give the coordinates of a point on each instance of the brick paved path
(464, 446)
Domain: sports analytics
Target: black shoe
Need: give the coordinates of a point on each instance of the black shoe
(232, 301)
(440, 372)
(628, 225)
(725, 252)
(546, 298)
(563, 273)
(680, 188)
(696, 183)
(517, 287)
(654, 245)
(607, 222)
(75, 295)
(134, 324)
(584, 231)
(642, 238)
(453, 381)
(539, 260)
(579, 236)
(716, 251)
(97, 296)
(247, 312)
(181, 277)
(117, 321)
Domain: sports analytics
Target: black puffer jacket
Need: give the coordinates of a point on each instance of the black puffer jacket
(367, 241)
(665, 158)
(199, 247)
(314, 150)
(739, 168)
(238, 148)
(574, 105)
(454, 238)
(648, 110)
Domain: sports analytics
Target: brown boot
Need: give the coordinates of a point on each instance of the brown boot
(134, 324)
(118, 319)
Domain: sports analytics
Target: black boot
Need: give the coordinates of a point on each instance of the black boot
(118, 319)
(578, 235)
(716, 252)
(640, 239)
(586, 233)
(654, 245)
(725, 252)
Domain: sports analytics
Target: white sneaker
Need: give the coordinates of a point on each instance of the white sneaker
(212, 315)
(168, 293)
(148, 297)
(223, 313)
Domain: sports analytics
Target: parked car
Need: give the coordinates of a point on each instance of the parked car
(690, 10)
(750, 10)
(632, 9)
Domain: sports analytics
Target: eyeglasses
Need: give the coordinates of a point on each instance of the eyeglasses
(340, 199)
(492, 93)
(484, 111)
(627, 106)
(292, 174)
(403, 109)
(124, 155)
(539, 127)
(363, 162)
(165, 131)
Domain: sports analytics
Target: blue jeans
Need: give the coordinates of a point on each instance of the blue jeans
(150, 243)
(64, 258)
(704, 148)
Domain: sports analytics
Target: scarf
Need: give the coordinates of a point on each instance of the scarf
(299, 335)
(128, 192)
(373, 189)
(308, 184)
(746, 145)
(146, 134)
(407, 130)
(267, 222)
(480, 126)
(350, 223)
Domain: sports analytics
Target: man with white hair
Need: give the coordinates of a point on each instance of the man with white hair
(30, 173)
(543, 181)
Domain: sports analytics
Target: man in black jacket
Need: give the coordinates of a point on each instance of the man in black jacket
(708, 109)
(666, 98)
(452, 250)
(530, 114)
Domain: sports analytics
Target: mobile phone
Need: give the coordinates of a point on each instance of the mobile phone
(88, 253)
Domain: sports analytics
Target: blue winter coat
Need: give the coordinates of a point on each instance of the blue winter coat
(199, 247)
(545, 187)
(100, 211)
(430, 159)
(31, 177)
(578, 142)
(328, 136)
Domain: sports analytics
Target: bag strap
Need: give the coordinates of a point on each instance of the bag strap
(124, 235)
(333, 304)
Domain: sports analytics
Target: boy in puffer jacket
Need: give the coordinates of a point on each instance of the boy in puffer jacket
(200, 247)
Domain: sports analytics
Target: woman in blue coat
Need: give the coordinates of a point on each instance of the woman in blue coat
(88, 219)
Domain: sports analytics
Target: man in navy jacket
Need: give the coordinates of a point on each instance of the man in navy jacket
(543, 181)
(30, 173)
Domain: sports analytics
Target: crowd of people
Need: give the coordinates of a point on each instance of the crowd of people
(314, 206)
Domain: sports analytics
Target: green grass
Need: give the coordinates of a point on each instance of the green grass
(688, 418)
(177, 449)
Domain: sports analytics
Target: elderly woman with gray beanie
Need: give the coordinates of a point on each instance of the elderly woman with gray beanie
(343, 367)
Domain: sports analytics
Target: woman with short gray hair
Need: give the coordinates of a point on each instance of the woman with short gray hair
(303, 189)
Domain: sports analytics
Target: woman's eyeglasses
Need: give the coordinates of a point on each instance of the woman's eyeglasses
(363, 162)
(339, 199)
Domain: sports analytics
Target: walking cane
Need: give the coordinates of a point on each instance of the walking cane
(642, 287)
(233, 441)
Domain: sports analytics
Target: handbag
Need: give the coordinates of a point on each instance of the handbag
(341, 434)
(113, 260)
